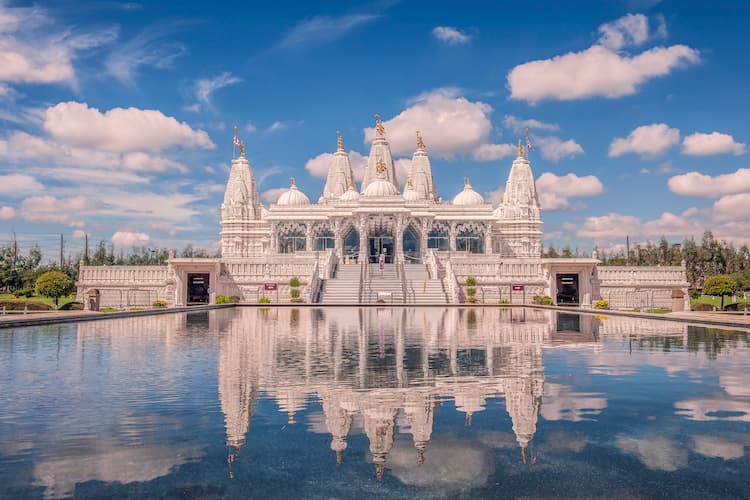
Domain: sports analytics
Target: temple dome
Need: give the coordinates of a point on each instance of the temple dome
(350, 194)
(381, 188)
(468, 196)
(410, 194)
(293, 197)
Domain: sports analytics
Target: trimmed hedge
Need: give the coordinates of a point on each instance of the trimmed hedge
(19, 305)
(72, 306)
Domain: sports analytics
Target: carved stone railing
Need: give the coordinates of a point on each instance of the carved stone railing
(451, 283)
(431, 263)
(313, 286)
(673, 276)
(141, 275)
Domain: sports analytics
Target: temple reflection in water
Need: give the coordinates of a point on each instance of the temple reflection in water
(392, 368)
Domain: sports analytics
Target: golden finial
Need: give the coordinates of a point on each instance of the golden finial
(339, 458)
(242, 150)
(380, 166)
(340, 141)
(420, 142)
(379, 126)
(292, 184)
(520, 149)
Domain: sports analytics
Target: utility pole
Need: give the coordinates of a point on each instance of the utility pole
(627, 246)
(15, 250)
(86, 249)
(61, 252)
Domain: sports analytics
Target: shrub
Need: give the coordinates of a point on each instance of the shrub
(503, 302)
(24, 292)
(601, 304)
(738, 306)
(702, 306)
(135, 309)
(54, 284)
(20, 305)
(234, 299)
(72, 306)
(264, 300)
(471, 281)
(222, 299)
(163, 303)
(471, 299)
(298, 300)
(108, 310)
(471, 292)
(294, 293)
(294, 282)
(695, 294)
(542, 300)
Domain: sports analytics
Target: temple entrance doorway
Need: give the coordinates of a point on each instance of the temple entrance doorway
(381, 243)
(198, 288)
(350, 251)
(411, 247)
(567, 290)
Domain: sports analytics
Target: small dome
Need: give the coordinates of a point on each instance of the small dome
(468, 196)
(349, 195)
(380, 188)
(294, 197)
(410, 194)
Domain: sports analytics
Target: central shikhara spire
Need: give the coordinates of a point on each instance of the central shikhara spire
(380, 150)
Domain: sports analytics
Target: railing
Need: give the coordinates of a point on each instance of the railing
(400, 266)
(362, 278)
(432, 265)
(313, 285)
(452, 283)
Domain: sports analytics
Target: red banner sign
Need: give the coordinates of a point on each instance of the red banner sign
(517, 288)
(270, 287)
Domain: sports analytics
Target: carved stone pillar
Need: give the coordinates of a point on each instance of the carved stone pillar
(338, 237)
(488, 241)
(274, 238)
(425, 228)
(362, 229)
(309, 237)
(399, 227)
(452, 237)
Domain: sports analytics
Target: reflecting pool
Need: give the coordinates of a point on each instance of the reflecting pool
(390, 403)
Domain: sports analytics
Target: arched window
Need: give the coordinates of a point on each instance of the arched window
(324, 240)
(439, 237)
(292, 238)
(470, 238)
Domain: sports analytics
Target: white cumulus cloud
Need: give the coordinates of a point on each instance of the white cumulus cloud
(120, 129)
(609, 227)
(49, 208)
(18, 185)
(272, 195)
(732, 207)
(519, 125)
(715, 143)
(491, 152)
(129, 239)
(697, 184)
(7, 213)
(555, 191)
(602, 69)
(450, 35)
(555, 149)
(646, 140)
(450, 124)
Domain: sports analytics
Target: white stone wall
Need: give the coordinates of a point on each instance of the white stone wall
(643, 287)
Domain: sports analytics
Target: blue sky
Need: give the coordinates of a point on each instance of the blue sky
(116, 118)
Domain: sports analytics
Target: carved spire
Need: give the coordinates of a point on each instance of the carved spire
(292, 183)
(242, 150)
(340, 142)
(520, 149)
(380, 167)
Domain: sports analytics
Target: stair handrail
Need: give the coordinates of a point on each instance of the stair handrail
(431, 263)
(452, 282)
(403, 282)
(362, 278)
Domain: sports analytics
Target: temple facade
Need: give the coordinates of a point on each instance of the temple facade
(381, 243)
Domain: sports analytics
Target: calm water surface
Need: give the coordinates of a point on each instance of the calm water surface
(399, 403)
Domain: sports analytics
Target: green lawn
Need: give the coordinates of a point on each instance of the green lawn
(714, 301)
(37, 298)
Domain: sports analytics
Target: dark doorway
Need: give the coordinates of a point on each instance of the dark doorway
(381, 244)
(197, 288)
(567, 290)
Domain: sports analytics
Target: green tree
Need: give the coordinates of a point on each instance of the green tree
(54, 284)
(720, 285)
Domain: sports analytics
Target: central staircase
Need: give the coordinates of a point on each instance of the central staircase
(344, 288)
(386, 285)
